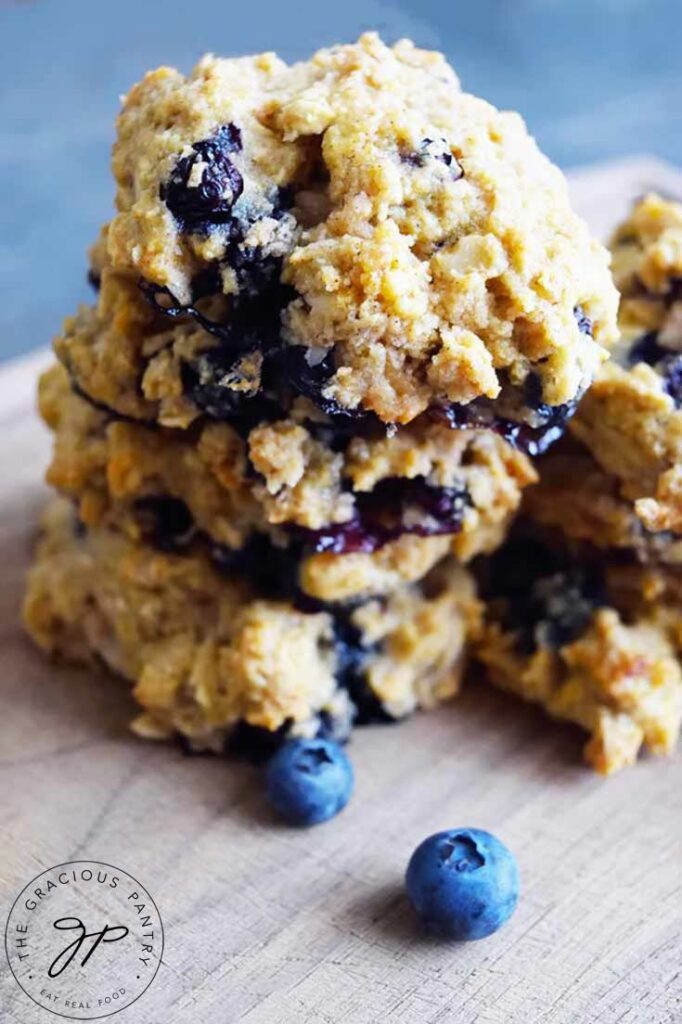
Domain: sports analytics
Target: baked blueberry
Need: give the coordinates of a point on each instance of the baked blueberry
(671, 372)
(434, 149)
(394, 507)
(647, 349)
(351, 659)
(166, 522)
(94, 279)
(309, 781)
(546, 423)
(585, 325)
(463, 883)
(203, 187)
(540, 593)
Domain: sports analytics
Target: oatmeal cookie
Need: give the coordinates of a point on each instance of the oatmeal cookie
(556, 636)
(631, 420)
(585, 504)
(293, 480)
(406, 244)
(208, 653)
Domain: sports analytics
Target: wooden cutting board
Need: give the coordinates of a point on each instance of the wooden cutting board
(265, 925)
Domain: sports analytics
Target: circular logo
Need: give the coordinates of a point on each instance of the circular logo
(84, 939)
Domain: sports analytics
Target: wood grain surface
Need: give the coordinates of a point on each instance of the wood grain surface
(265, 925)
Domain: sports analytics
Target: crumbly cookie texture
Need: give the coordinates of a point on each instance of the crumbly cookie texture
(554, 638)
(420, 247)
(631, 418)
(205, 652)
(292, 480)
(577, 498)
(621, 683)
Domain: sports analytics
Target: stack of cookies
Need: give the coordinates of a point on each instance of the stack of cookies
(593, 629)
(341, 308)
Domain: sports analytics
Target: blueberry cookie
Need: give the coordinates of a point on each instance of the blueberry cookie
(354, 226)
(214, 653)
(293, 482)
(585, 504)
(560, 633)
(631, 420)
(340, 307)
(616, 483)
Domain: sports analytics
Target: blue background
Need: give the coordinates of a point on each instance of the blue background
(594, 79)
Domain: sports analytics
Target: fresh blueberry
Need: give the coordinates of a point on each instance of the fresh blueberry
(309, 781)
(463, 883)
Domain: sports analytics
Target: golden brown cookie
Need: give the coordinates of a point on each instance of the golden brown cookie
(207, 651)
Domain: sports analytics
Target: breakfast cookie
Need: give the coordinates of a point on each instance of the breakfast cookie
(560, 633)
(631, 420)
(295, 480)
(585, 504)
(354, 226)
(212, 651)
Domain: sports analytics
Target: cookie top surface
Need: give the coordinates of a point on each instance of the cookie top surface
(414, 238)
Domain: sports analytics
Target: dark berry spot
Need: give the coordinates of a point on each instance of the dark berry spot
(395, 507)
(585, 324)
(541, 593)
(646, 350)
(671, 372)
(562, 605)
(271, 570)
(203, 186)
(434, 149)
(212, 381)
(254, 743)
(255, 272)
(166, 522)
(350, 671)
(309, 372)
(550, 423)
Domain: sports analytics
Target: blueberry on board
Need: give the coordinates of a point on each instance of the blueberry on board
(309, 780)
(463, 883)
